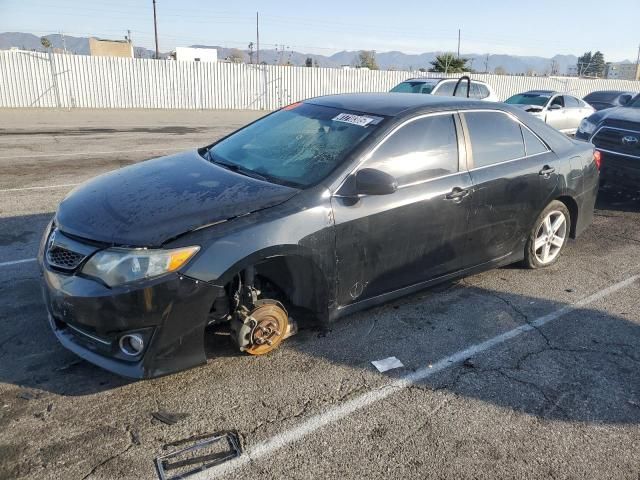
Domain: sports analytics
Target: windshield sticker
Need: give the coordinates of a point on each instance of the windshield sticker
(359, 120)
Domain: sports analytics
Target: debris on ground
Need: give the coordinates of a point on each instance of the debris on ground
(387, 364)
(469, 363)
(206, 452)
(169, 418)
(24, 395)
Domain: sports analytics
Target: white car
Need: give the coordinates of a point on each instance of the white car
(561, 111)
(445, 86)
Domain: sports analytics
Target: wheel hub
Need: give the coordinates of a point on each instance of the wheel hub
(269, 325)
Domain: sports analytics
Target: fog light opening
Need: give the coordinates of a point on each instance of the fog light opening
(131, 344)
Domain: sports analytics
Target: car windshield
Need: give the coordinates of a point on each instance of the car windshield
(298, 145)
(413, 87)
(528, 99)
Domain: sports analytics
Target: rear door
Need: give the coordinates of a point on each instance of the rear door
(513, 176)
(387, 242)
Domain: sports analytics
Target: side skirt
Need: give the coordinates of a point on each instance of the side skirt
(402, 292)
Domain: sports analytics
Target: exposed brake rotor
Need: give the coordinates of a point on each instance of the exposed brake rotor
(264, 328)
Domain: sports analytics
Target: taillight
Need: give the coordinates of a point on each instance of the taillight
(597, 158)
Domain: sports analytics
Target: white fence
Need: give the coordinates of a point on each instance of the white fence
(31, 79)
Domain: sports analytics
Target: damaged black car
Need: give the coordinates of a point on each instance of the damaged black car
(322, 208)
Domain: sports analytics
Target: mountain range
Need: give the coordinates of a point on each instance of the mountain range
(394, 60)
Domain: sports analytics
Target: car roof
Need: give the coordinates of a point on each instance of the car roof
(437, 80)
(395, 104)
(608, 93)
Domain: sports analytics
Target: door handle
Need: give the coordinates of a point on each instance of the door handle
(546, 171)
(457, 194)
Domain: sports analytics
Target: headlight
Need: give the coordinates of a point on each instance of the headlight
(116, 266)
(587, 127)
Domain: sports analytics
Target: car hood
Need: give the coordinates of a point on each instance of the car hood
(616, 114)
(151, 202)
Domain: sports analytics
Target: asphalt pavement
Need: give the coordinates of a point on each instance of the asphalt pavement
(512, 373)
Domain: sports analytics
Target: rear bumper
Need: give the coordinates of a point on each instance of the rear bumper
(170, 313)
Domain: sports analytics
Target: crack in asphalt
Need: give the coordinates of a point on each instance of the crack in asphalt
(109, 459)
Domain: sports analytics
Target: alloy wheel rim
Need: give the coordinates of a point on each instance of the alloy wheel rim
(550, 237)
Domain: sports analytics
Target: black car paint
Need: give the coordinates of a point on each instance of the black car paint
(601, 100)
(344, 252)
(620, 163)
(148, 203)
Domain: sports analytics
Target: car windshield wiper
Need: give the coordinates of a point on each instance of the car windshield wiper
(234, 167)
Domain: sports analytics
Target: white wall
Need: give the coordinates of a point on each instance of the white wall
(30, 79)
(188, 54)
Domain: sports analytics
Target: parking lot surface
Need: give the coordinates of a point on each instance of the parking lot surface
(512, 373)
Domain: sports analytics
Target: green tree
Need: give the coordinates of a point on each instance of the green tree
(308, 62)
(500, 70)
(44, 41)
(367, 59)
(449, 63)
(591, 65)
(597, 64)
(584, 64)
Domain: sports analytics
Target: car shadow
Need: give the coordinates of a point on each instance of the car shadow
(615, 199)
(581, 367)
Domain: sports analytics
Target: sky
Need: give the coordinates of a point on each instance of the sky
(541, 27)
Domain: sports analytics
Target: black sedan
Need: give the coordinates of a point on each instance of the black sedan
(602, 99)
(318, 210)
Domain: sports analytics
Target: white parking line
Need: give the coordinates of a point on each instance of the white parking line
(39, 188)
(16, 262)
(338, 412)
(93, 153)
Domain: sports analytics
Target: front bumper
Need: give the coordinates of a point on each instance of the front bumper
(620, 170)
(169, 312)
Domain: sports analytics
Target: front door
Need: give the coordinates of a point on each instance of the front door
(417, 233)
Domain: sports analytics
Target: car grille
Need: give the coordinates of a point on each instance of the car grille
(612, 139)
(61, 257)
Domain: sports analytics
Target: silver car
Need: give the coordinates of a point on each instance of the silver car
(561, 111)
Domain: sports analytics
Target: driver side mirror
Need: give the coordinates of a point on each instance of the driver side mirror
(555, 106)
(370, 181)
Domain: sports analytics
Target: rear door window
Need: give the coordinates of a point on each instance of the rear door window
(483, 91)
(571, 102)
(422, 149)
(532, 144)
(495, 138)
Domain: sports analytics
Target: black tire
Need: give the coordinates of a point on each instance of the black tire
(531, 258)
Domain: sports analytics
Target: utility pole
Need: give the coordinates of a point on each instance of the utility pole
(486, 64)
(64, 43)
(637, 75)
(129, 36)
(257, 39)
(155, 28)
(458, 43)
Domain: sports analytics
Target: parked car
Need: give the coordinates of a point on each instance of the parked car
(608, 98)
(323, 208)
(561, 111)
(445, 86)
(616, 134)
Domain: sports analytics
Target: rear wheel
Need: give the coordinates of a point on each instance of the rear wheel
(548, 237)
